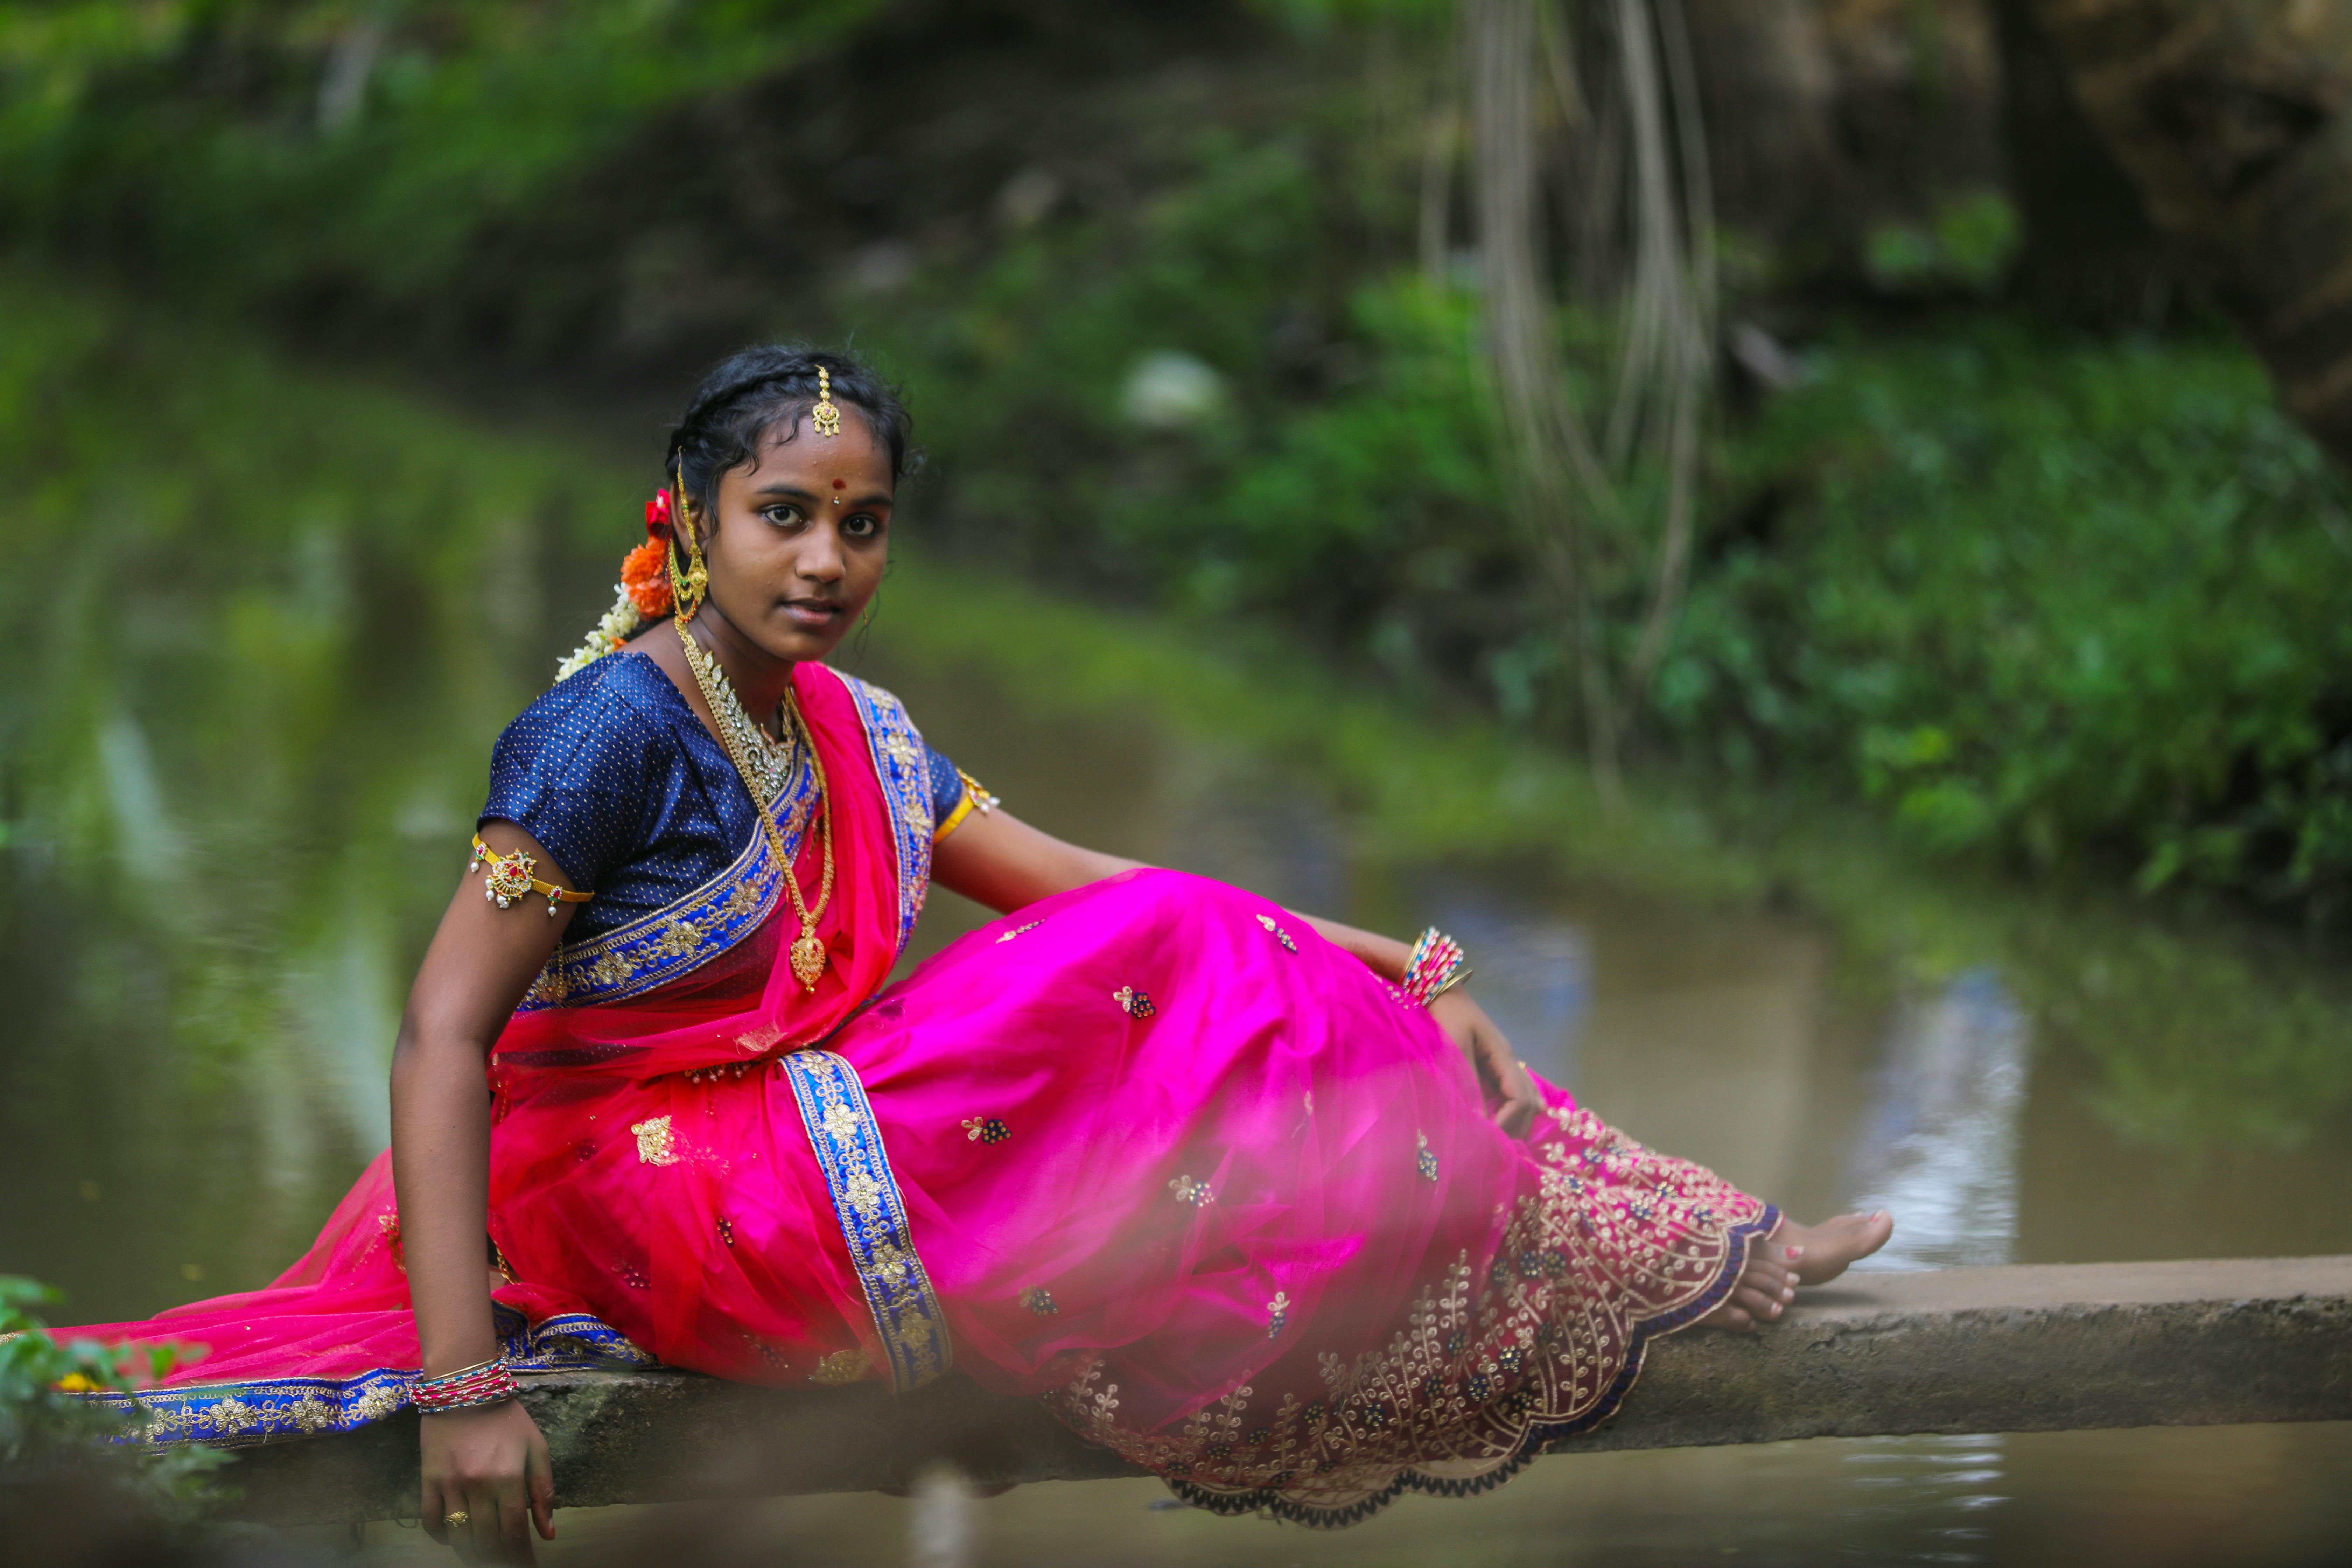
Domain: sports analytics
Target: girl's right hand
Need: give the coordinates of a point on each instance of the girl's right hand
(491, 1465)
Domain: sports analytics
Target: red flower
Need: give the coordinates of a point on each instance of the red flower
(644, 574)
(658, 524)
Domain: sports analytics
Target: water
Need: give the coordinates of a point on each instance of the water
(238, 765)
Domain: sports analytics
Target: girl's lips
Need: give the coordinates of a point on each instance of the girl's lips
(811, 613)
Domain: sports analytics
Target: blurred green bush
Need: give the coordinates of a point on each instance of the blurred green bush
(47, 1429)
(2058, 597)
(326, 147)
(2041, 594)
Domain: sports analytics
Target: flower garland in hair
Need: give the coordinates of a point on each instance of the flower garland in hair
(640, 598)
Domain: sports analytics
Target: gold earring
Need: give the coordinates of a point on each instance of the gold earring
(687, 587)
(826, 414)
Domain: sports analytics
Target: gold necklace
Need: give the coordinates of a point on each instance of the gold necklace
(807, 952)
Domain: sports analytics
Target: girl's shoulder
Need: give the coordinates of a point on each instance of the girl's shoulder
(582, 767)
(617, 713)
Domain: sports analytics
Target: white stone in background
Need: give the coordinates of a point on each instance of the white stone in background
(1168, 390)
(884, 268)
(1028, 198)
(942, 1528)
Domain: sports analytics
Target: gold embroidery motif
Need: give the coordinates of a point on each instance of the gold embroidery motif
(838, 1121)
(655, 1144)
(1277, 1314)
(1425, 1162)
(378, 1403)
(864, 1193)
(1133, 1002)
(985, 1130)
(1484, 1363)
(842, 1367)
(1040, 1300)
(1016, 930)
(1185, 1189)
(389, 1223)
(231, 1417)
(1280, 935)
(312, 1414)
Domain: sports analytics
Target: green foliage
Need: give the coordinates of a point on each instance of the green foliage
(1345, 480)
(1968, 243)
(275, 144)
(2036, 595)
(2044, 595)
(46, 1420)
(2040, 595)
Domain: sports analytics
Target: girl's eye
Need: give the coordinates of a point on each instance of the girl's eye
(865, 525)
(784, 514)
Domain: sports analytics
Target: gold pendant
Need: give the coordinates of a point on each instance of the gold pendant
(808, 959)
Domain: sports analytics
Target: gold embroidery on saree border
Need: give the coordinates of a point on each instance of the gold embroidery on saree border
(842, 1367)
(668, 943)
(900, 766)
(847, 1142)
(1479, 1370)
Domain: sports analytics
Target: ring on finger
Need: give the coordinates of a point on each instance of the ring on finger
(456, 1516)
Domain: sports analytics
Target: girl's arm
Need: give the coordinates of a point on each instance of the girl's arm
(997, 859)
(490, 1463)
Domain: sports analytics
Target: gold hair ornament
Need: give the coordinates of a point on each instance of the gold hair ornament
(511, 878)
(826, 414)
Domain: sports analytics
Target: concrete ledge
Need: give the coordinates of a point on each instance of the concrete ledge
(1964, 1350)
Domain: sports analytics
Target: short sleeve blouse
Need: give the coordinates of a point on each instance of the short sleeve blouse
(637, 801)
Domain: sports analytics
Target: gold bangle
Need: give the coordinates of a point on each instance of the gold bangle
(511, 878)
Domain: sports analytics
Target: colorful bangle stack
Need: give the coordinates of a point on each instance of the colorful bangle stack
(1437, 965)
(485, 1383)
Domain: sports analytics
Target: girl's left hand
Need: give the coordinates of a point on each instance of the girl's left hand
(1500, 1072)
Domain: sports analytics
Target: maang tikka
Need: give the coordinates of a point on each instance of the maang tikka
(826, 414)
(687, 586)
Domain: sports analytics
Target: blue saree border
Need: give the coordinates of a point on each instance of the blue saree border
(873, 1215)
(651, 951)
(252, 1410)
(901, 762)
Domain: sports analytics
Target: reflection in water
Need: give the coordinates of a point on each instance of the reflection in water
(1922, 1499)
(1939, 1146)
(1533, 972)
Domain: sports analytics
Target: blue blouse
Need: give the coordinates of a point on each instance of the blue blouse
(631, 793)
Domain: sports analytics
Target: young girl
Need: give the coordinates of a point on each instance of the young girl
(1263, 1203)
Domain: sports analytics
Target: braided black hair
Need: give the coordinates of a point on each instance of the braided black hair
(760, 390)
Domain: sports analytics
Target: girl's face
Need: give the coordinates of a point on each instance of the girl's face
(802, 537)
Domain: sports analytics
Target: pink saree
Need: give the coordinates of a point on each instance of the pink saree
(1151, 1151)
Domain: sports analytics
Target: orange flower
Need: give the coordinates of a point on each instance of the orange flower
(645, 572)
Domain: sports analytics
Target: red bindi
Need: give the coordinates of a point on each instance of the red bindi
(840, 484)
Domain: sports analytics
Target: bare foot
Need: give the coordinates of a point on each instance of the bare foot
(1824, 1250)
(1796, 1254)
